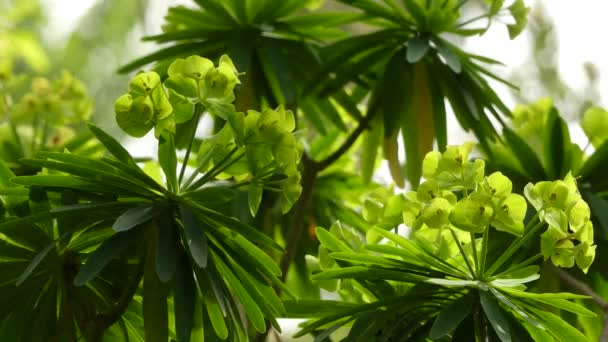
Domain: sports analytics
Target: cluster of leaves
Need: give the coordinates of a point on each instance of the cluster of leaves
(406, 68)
(427, 286)
(154, 224)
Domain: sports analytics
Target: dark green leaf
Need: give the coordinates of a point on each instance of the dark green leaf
(450, 57)
(556, 146)
(156, 321)
(184, 297)
(109, 250)
(35, 262)
(195, 236)
(249, 251)
(172, 51)
(168, 247)
(451, 317)
(524, 153)
(249, 305)
(416, 49)
(135, 217)
(167, 159)
(496, 316)
(112, 145)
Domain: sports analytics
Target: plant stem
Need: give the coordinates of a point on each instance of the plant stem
(207, 175)
(484, 252)
(475, 259)
(197, 116)
(310, 171)
(464, 255)
(515, 245)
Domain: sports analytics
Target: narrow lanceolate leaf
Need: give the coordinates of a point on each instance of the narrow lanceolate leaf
(112, 145)
(195, 236)
(168, 247)
(168, 159)
(372, 139)
(185, 297)
(35, 262)
(109, 250)
(451, 317)
(496, 316)
(418, 126)
(396, 82)
(251, 251)
(254, 198)
(559, 328)
(156, 321)
(135, 217)
(213, 300)
(330, 242)
(524, 153)
(556, 146)
(249, 305)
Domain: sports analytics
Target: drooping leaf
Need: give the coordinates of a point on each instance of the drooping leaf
(195, 236)
(184, 297)
(168, 246)
(156, 321)
(496, 316)
(135, 217)
(109, 250)
(451, 317)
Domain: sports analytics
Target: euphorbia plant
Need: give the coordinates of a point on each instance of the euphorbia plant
(449, 280)
(169, 223)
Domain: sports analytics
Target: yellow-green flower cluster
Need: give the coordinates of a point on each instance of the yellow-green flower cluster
(152, 104)
(569, 238)
(62, 101)
(457, 194)
(271, 153)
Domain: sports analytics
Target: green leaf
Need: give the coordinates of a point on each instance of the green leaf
(184, 297)
(450, 57)
(195, 236)
(112, 145)
(135, 217)
(451, 317)
(526, 156)
(109, 250)
(330, 242)
(416, 49)
(254, 198)
(593, 169)
(168, 159)
(190, 48)
(557, 146)
(249, 305)
(372, 140)
(254, 235)
(213, 304)
(35, 262)
(155, 312)
(496, 316)
(559, 328)
(168, 247)
(249, 251)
